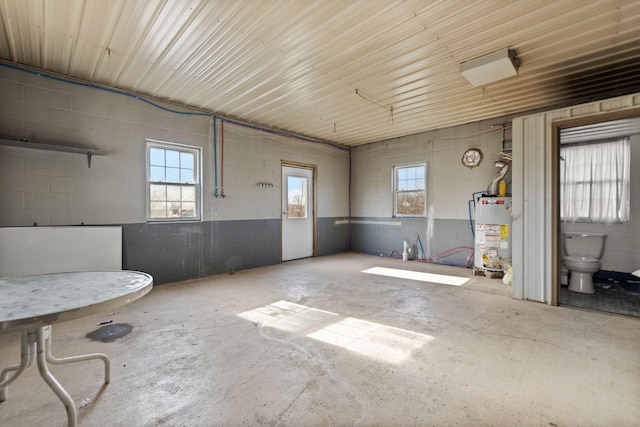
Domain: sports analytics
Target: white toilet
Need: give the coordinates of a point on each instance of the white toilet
(582, 258)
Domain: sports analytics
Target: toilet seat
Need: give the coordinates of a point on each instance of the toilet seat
(585, 260)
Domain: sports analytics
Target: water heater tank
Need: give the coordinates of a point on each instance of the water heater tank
(492, 250)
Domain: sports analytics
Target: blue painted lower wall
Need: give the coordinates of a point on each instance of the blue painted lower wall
(179, 251)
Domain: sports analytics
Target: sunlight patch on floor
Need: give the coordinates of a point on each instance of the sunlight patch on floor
(418, 275)
(367, 338)
(372, 339)
(289, 316)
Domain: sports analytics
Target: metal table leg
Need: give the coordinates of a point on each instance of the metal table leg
(43, 342)
(64, 360)
(27, 353)
(37, 343)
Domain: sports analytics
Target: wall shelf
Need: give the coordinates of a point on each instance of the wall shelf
(89, 152)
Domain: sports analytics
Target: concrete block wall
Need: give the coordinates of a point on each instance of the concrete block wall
(178, 251)
(57, 188)
(449, 183)
(450, 186)
(252, 156)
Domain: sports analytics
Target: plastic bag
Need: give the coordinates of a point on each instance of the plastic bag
(508, 276)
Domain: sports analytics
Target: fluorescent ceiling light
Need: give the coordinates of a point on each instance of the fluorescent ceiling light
(490, 68)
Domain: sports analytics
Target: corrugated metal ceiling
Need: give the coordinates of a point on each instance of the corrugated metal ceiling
(350, 72)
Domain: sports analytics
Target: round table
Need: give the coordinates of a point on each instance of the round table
(33, 303)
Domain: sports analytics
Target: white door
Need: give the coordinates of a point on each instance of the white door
(297, 212)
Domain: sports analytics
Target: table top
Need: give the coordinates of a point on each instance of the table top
(43, 299)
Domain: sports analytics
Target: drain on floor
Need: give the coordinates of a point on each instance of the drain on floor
(110, 333)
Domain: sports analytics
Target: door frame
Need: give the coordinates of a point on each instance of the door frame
(314, 188)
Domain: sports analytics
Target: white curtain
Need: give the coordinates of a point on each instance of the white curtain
(594, 182)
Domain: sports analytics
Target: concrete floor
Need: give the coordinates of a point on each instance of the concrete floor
(317, 342)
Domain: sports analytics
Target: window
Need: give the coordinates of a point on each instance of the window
(297, 197)
(594, 182)
(173, 182)
(410, 190)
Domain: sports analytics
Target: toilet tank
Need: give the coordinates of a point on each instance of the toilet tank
(578, 243)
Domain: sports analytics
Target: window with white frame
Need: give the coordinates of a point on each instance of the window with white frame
(594, 182)
(409, 188)
(173, 182)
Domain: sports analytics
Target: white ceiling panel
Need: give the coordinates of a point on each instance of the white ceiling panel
(346, 71)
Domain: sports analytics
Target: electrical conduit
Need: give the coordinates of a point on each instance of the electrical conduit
(222, 160)
(215, 156)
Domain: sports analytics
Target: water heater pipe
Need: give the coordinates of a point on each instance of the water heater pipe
(492, 190)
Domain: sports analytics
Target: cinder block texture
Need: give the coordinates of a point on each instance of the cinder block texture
(239, 231)
(172, 252)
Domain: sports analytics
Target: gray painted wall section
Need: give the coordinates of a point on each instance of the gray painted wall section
(172, 252)
(451, 243)
(333, 235)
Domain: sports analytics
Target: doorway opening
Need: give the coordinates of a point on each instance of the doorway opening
(615, 289)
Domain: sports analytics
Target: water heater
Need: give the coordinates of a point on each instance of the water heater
(492, 249)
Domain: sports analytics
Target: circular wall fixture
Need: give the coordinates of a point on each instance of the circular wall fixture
(472, 157)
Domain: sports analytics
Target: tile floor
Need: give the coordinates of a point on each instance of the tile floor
(610, 297)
